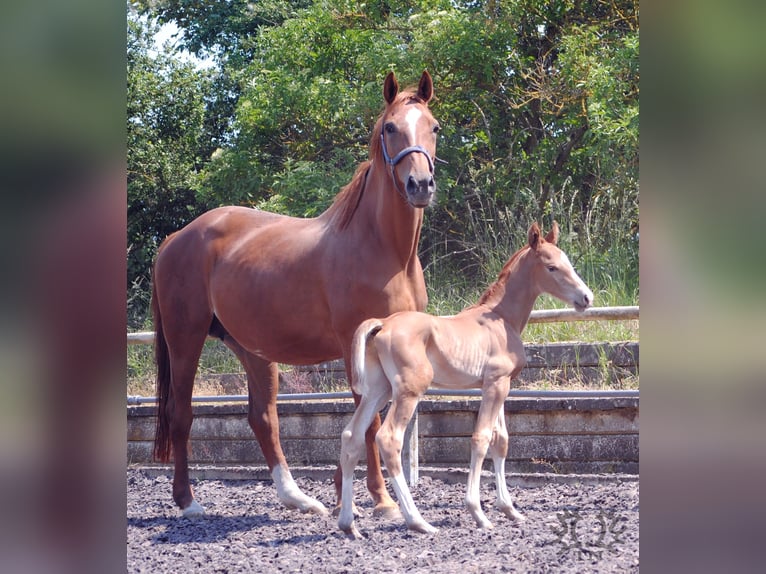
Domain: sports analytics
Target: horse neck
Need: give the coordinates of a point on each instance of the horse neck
(513, 295)
(383, 208)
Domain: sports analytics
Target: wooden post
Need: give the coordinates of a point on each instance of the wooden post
(410, 451)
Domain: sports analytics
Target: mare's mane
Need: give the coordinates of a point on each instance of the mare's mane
(348, 198)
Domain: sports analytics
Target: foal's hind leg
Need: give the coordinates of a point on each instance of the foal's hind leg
(498, 448)
(263, 385)
(390, 438)
(352, 446)
(492, 399)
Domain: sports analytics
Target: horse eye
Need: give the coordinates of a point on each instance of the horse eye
(551, 268)
(437, 127)
(390, 128)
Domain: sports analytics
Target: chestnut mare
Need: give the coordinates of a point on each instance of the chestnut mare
(402, 355)
(279, 289)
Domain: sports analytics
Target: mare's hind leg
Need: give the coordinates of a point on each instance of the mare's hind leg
(390, 438)
(492, 400)
(263, 385)
(352, 445)
(498, 448)
(183, 360)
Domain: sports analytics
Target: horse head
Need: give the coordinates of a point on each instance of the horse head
(408, 134)
(554, 272)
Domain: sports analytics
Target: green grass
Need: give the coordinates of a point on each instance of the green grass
(446, 298)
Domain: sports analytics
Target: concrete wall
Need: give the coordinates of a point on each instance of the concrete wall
(561, 435)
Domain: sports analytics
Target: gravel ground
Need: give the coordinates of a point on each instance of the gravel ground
(569, 528)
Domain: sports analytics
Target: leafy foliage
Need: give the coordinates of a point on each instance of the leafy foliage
(538, 100)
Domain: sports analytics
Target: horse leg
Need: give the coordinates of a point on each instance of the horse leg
(390, 439)
(179, 413)
(498, 448)
(352, 444)
(263, 386)
(492, 399)
(385, 507)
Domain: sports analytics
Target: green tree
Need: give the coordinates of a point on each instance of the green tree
(538, 100)
(169, 138)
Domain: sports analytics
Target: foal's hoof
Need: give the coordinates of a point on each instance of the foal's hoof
(194, 510)
(423, 527)
(314, 507)
(352, 533)
(385, 511)
(354, 510)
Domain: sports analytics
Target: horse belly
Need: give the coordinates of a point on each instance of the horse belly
(458, 364)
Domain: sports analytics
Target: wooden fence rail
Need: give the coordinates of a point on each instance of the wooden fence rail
(625, 313)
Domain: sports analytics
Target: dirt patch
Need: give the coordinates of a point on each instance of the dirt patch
(569, 528)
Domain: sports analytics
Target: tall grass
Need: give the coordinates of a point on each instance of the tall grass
(458, 270)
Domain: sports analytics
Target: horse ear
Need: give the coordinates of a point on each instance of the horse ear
(426, 87)
(553, 234)
(390, 87)
(533, 235)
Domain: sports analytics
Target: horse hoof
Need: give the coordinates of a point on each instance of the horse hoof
(387, 512)
(354, 511)
(315, 507)
(352, 533)
(194, 510)
(423, 527)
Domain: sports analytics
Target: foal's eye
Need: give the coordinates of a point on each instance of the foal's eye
(390, 128)
(551, 268)
(437, 127)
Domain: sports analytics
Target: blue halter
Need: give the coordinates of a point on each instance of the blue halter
(392, 161)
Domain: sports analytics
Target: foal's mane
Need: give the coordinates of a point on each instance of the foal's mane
(348, 198)
(502, 277)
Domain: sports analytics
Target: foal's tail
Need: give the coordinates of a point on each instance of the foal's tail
(161, 357)
(363, 333)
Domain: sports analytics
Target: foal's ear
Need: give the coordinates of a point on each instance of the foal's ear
(390, 87)
(553, 234)
(533, 235)
(426, 87)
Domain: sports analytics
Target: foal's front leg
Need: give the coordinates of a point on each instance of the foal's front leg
(492, 398)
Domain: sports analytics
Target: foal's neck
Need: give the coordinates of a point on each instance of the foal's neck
(513, 295)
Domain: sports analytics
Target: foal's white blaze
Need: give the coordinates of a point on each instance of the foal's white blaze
(412, 117)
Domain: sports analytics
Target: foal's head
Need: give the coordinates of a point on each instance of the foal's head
(553, 271)
(407, 135)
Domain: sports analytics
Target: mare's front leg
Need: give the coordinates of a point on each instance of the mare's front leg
(498, 448)
(390, 439)
(493, 395)
(263, 386)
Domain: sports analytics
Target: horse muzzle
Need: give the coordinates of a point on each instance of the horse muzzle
(420, 191)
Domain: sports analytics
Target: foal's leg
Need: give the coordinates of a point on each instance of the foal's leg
(492, 398)
(385, 507)
(352, 445)
(263, 386)
(390, 438)
(498, 448)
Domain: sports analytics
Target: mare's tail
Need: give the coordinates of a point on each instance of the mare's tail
(161, 357)
(362, 334)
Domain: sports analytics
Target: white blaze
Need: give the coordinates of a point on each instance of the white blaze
(412, 117)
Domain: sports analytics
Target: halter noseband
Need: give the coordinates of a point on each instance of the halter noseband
(392, 161)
